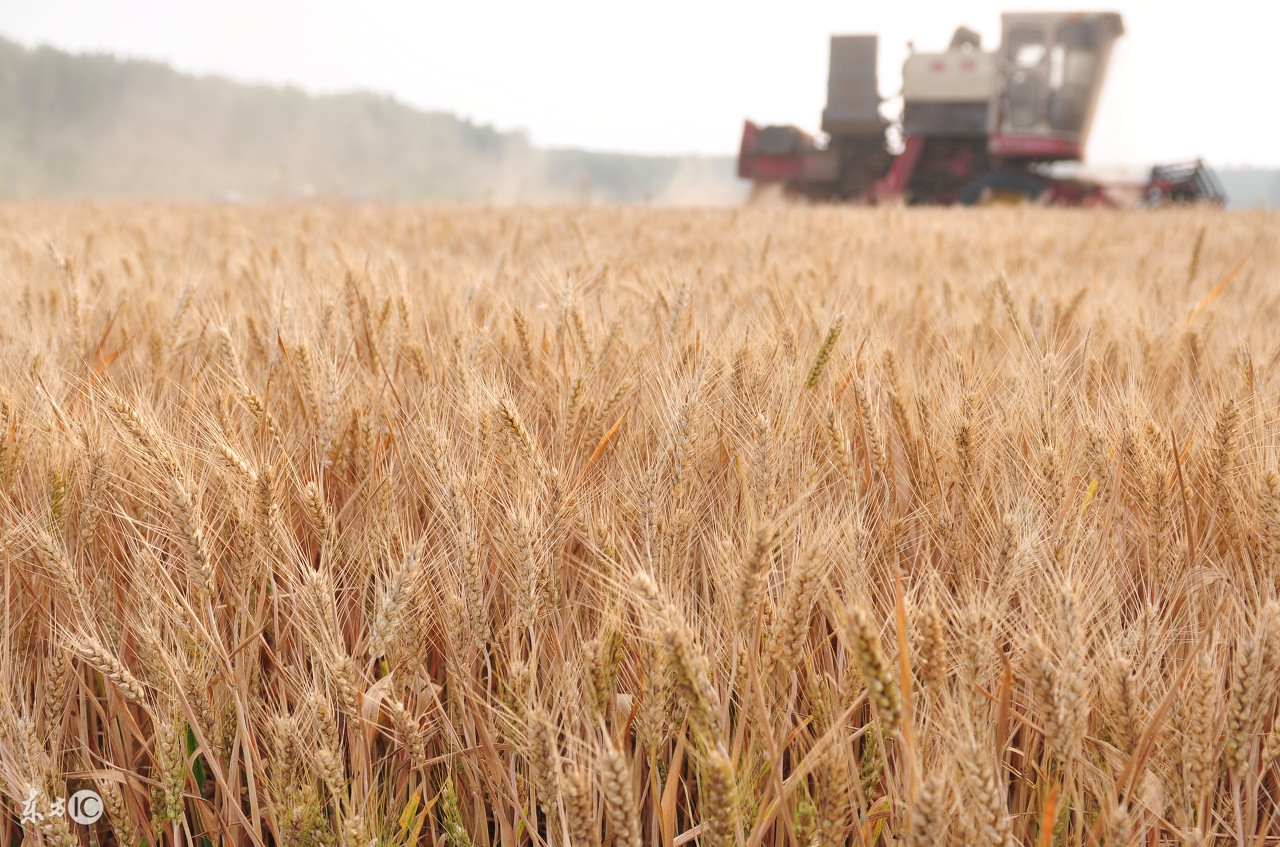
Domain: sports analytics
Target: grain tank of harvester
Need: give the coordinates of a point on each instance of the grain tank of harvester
(976, 126)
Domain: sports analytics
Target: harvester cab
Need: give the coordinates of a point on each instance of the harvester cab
(976, 125)
(1051, 68)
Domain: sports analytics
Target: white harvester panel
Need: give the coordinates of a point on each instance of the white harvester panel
(952, 93)
(952, 77)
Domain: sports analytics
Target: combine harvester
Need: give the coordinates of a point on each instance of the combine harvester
(976, 126)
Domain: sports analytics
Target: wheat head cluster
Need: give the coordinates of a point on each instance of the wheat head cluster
(379, 527)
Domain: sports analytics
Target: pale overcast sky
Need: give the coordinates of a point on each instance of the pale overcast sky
(676, 76)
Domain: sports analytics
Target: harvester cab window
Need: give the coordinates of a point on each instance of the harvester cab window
(1057, 66)
(1071, 87)
(1029, 55)
(1025, 47)
(1026, 51)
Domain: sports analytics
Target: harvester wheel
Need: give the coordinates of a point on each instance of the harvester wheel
(1002, 188)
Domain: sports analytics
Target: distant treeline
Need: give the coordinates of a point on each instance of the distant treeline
(95, 126)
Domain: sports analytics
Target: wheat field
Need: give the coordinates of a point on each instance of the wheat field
(378, 527)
